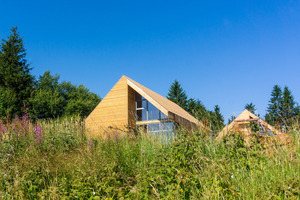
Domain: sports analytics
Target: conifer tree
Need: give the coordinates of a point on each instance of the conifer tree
(218, 119)
(178, 95)
(250, 107)
(274, 107)
(289, 107)
(231, 119)
(14, 69)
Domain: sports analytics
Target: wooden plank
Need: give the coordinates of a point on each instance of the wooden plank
(112, 110)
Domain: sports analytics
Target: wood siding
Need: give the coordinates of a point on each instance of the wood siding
(131, 107)
(111, 114)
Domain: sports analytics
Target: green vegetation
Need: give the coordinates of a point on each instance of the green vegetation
(283, 109)
(53, 159)
(251, 107)
(45, 98)
(213, 119)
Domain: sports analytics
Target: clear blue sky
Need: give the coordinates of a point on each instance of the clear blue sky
(223, 52)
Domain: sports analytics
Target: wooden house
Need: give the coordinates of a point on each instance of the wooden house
(129, 105)
(244, 124)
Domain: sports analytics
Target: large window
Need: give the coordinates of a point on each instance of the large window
(145, 111)
(165, 128)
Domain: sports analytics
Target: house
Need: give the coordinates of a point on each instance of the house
(129, 105)
(245, 123)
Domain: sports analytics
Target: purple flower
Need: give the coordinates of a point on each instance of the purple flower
(142, 151)
(38, 134)
(90, 143)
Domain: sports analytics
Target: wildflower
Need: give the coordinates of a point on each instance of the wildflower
(17, 118)
(39, 134)
(3, 129)
(94, 193)
(115, 137)
(90, 143)
(142, 151)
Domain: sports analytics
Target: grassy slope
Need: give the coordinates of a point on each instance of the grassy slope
(62, 162)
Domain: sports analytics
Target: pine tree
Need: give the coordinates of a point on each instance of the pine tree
(14, 69)
(193, 106)
(289, 107)
(231, 119)
(178, 95)
(274, 108)
(218, 119)
(251, 107)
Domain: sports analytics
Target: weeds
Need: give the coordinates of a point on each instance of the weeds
(54, 160)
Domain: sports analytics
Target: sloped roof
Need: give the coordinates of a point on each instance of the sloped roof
(246, 115)
(162, 103)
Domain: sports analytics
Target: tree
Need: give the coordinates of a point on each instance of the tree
(193, 106)
(79, 100)
(218, 119)
(274, 107)
(53, 99)
(7, 102)
(178, 95)
(14, 69)
(289, 107)
(231, 119)
(251, 107)
(47, 100)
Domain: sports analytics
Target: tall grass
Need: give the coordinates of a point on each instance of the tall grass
(54, 160)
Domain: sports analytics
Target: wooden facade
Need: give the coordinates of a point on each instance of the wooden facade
(241, 124)
(116, 112)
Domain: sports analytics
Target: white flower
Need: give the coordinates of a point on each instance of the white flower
(94, 193)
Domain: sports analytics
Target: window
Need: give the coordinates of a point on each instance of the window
(165, 128)
(145, 111)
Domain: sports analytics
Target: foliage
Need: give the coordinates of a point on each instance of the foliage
(251, 107)
(282, 109)
(53, 159)
(8, 102)
(273, 110)
(47, 100)
(218, 119)
(289, 108)
(52, 99)
(79, 100)
(178, 95)
(231, 119)
(14, 69)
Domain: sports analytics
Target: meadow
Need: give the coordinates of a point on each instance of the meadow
(55, 159)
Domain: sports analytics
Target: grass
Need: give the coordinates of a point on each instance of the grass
(58, 161)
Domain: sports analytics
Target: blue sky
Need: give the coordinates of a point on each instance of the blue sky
(223, 52)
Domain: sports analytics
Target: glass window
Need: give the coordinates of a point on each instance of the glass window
(153, 128)
(153, 112)
(162, 115)
(166, 128)
(147, 111)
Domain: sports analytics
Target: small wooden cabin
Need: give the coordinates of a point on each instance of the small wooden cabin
(129, 105)
(242, 124)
